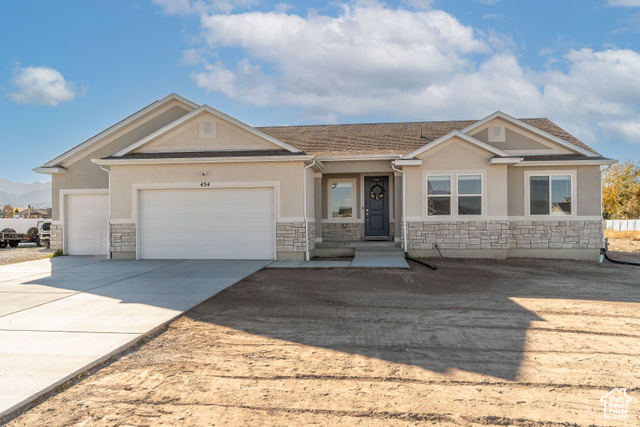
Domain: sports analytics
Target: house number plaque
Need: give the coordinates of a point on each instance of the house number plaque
(205, 184)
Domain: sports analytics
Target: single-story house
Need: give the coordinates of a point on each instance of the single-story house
(182, 180)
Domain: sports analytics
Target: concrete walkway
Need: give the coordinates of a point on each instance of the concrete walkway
(61, 316)
(357, 262)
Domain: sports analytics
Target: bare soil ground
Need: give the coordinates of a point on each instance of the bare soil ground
(623, 241)
(24, 252)
(477, 342)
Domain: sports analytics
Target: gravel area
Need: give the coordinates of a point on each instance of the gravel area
(24, 252)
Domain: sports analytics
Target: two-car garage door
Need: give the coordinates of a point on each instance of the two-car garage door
(220, 223)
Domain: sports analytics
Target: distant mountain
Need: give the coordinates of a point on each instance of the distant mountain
(20, 194)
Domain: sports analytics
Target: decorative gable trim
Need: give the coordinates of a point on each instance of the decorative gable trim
(461, 135)
(117, 127)
(533, 129)
(195, 113)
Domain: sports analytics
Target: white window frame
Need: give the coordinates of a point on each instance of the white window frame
(451, 194)
(481, 194)
(354, 213)
(454, 195)
(550, 173)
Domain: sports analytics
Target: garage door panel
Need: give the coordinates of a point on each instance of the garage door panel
(215, 223)
(86, 217)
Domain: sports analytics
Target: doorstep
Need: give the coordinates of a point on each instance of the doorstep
(364, 258)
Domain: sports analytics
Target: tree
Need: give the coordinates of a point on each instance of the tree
(8, 211)
(621, 191)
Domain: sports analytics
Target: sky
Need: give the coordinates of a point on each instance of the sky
(69, 70)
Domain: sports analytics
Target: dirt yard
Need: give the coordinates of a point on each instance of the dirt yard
(517, 342)
(623, 241)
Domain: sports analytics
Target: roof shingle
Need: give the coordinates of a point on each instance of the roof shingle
(385, 138)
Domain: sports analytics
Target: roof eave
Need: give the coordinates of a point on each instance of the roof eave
(117, 127)
(204, 108)
(196, 160)
(508, 118)
(50, 170)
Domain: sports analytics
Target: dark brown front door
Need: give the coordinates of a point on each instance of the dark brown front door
(376, 206)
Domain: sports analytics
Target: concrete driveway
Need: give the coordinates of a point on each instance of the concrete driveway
(61, 316)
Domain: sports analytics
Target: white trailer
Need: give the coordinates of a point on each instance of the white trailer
(13, 231)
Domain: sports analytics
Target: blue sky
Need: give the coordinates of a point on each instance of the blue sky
(70, 69)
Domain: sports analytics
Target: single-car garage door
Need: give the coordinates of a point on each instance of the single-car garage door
(85, 227)
(217, 223)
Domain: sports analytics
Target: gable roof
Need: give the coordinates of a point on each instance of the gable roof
(200, 110)
(116, 127)
(464, 137)
(393, 138)
(574, 144)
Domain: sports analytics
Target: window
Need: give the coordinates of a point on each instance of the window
(341, 199)
(469, 194)
(455, 195)
(439, 195)
(550, 195)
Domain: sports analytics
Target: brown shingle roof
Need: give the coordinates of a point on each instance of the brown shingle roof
(384, 138)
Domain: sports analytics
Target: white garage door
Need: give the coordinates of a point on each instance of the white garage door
(86, 217)
(220, 223)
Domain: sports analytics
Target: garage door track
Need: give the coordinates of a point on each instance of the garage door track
(61, 316)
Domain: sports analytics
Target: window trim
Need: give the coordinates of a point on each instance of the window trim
(354, 195)
(454, 174)
(482, 196)
(549, 174)
(450, 195)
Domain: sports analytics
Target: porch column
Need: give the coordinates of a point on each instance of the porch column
(317, 214)
(397, 205)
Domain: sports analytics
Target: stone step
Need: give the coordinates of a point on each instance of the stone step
(359, 244)
(390, 252)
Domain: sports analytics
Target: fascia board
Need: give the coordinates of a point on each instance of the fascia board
(199, 160)
(505, 160)
(204, 109)
(568, 163)
(407, 162)
(117, 127)
(49, 170)
(359, 157)
(533, 129)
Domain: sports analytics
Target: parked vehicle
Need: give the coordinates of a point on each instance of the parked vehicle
(44, 232)
(18, 231)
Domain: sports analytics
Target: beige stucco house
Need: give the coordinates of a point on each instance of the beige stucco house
(181, 180)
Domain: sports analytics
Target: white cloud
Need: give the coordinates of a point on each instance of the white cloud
(414, 64)
(365, 50)
(42, 86)
(185, 7)
(418, 4)
(627, 131)
(624, 3)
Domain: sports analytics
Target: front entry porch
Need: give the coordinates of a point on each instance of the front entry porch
(356, 208)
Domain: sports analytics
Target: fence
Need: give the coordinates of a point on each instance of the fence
(623, 224)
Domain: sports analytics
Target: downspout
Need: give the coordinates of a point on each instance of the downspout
(304, 207)
(404, 220)
(109, 214)
(404, 208)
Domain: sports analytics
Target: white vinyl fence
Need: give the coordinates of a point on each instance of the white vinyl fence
(623, 224)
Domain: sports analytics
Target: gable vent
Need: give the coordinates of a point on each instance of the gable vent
(207, 128)
(496, 133)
